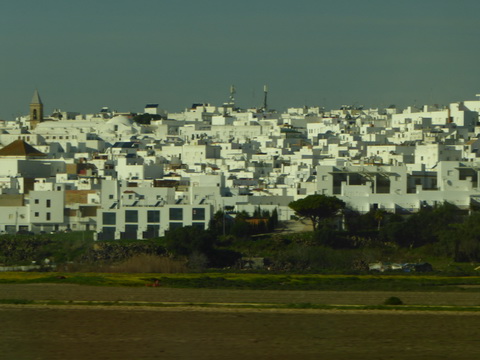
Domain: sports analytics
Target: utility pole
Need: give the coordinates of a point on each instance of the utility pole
(223, 216)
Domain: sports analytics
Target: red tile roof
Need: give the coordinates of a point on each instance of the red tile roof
(20, 148)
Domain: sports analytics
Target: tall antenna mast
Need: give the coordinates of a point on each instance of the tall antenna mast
(232, 95)
(265, 93)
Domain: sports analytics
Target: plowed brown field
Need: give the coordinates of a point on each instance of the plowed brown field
(103, 293)
(76, 332)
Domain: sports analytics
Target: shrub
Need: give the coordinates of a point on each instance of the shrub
(393, 300)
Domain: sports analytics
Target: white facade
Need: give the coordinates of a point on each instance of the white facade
(105, 172)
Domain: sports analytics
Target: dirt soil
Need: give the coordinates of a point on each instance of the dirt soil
(76, 332)
(102, 293)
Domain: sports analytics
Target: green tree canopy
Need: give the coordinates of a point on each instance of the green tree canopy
(200, 247)
(188, 240)
(317, 208)
(462, 240)
(423, 227)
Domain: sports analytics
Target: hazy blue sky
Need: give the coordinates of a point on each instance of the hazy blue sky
(82, 55)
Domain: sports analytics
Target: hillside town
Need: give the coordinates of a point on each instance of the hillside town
(136, 176)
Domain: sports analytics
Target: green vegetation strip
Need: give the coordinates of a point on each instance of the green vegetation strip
(255, 281)
(261, 306)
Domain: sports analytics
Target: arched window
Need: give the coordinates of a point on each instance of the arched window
(35, 114)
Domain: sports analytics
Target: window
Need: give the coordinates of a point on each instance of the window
(108, 233)
(110, 196)
(48, 216)
(130, 232)
(109, 218)
(48, 203)
(198, 214)
(176, 213)
(175, 225)
(10, 229)
(153, 216)
(152, 231)
(131, 216)
(37, 214)
(36, 201)
(131, 229)
(199, 225)
(154, 228)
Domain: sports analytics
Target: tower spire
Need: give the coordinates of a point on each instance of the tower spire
(36, 98)
(36, 110)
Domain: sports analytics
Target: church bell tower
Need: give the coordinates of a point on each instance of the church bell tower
(36, 110)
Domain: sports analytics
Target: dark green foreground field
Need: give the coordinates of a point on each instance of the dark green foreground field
(260, 281)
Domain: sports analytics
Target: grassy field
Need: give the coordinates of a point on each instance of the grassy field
(255, 281)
